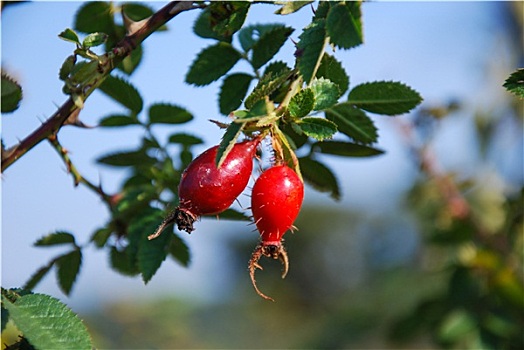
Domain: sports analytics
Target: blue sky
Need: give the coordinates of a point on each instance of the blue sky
(439, 49)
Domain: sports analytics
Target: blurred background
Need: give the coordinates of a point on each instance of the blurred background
(387, 266)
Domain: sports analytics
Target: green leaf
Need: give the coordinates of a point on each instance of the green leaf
(11, 94)
(131, 62)
(203, 27)
(68, 266)
(344, 26)
(94, 39)
(118, 120)
(163, 113)
(55, 238)
(123, 92)
(128, 158)
(69, 35)
(47, 323)
(456, 325)
(301, 103)
(381, 97)
(345, 149)
(121, 262)
(228, 141)
(38, 275)
(276, 67)
(228, 16)
(249, 35)
(233, 92)
(269, 44)
(83, 71)
(95, 16)
(290, 6)
(179, 250)
(67, 67)
(212, 63)
(319, 176)
(332, 70)
(326, 93)
(185, 139)
(137, 12)
(353, 122)
(310, 49)
(266, 86)
(318, 128)
(100, 236)
(515, 83)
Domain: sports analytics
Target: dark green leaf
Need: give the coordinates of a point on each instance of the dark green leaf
(343, 25)
(212, 63)
(129, 158)
(233, 92)
(47, 323)
(290, 6)
(228, 141)
(122, 263)
(322, 10)
(381, 97)
(68, 266)
(346, 149)
(310, 49)
(122, 92)
(249, 35)
(319, 176)
(185, 139)
(163, 113)
(38, 275)
(227, 17)
(203, 27)
(179, 250)
(95, 16)
(11, 94)
(118, 120)
(296, 138)
(55, 238)
(94, 39)
(137, 12)
(4, 317)
(269, 44)
(515, 83)
(67, 67)
(69, 35)
(332, 69)
(83, 71)
(318, 128)
(276, 67)
(353, 122)
(326, 93)
(266, 86)
(100, 237)
(301, 103)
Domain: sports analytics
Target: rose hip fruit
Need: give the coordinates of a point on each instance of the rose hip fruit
(205, 189)
(275, 202)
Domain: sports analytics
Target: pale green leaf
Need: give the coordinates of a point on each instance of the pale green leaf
(94, 39)
(326, 93)
(69, 35)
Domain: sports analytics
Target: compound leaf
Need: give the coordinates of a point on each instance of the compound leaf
(353, 122)
(384, 97)
(164, 113)
(233, 91)
(123, 92)
(212, 63)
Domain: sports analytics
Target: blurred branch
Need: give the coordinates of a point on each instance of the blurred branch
(138, 33)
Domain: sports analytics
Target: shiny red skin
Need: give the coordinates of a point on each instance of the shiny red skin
(205, 189)
(275, 202)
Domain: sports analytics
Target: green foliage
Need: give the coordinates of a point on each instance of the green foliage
(319, 176)
(123, 92)
(345, 149)
(301, 103)
(232, 92)
(344, 26)
(164, 113)
(268, 44)
(515, 83)
(332, 70)
(310, 49)
(228, 141)
(326, 93)
(317, 128)
(45, 321)
(212, 63)
(353, 122)
(118, 121)
(11, 94)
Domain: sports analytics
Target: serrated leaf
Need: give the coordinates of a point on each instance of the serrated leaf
(319, 176)
(228, 16)
(353, 122)
(121, 262)
(48, 323)
(163, 113)
(266, 86)
(123, 92)
(290, 6)
(179, 250)
(212, 63)
(249, 35)
(310, 49)
(233, 91)
(276, 67)
(343, 25)
(118, 120)
(38, 275)
(69, 35)
(515, 83)
(332, 70)
(185, 139)
(318, 128)
(301, 103)
(68, 266)
(269, 44)
(228, 141)
(94, 39)
(381, 97)
(129, 158)
(326, 93)
(94, 17)
(203, 27)
(11, 94)
(345, 149)
(55, 238)
(100, 236)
